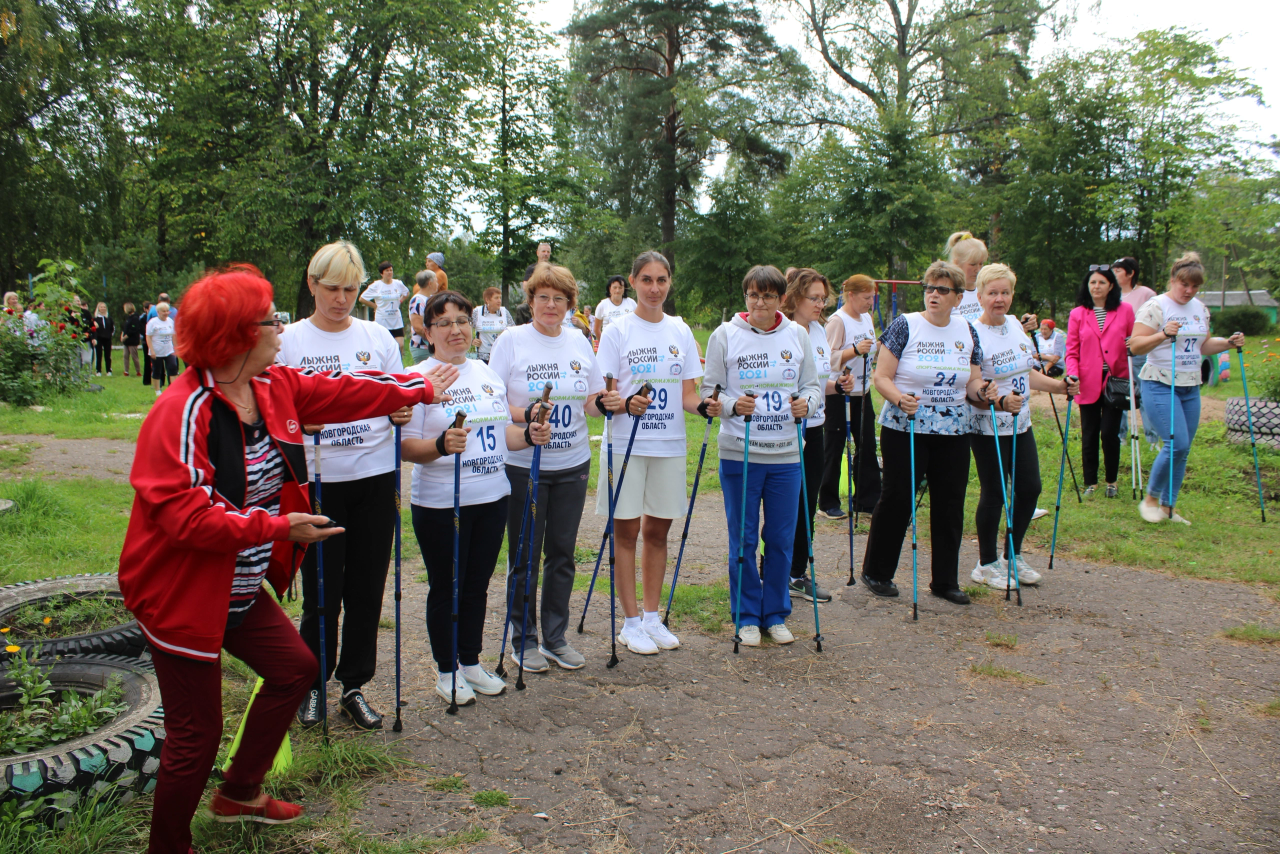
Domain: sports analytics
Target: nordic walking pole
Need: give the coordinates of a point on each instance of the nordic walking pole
(1012, 562)
(458, 419)
(1248, 412)
(398, 726)
(1061, 435)
(645, 391)
(742, 530)
(1008, 506)
(915, 548)
(688, 516)
(849, 476)
(609, 384)
(324, 670)
(512, 559)
(531, 540)
(808, 535)
(1057, 507)
(1173, 411)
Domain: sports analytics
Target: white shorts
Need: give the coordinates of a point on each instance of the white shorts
(653, 486)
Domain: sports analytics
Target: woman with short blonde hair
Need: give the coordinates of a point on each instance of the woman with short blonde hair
(968, 253)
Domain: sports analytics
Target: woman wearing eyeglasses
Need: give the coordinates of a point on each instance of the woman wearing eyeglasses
(1175, 317)
(1097, 330)
(526, 358)
(930, 367)
(358, 467)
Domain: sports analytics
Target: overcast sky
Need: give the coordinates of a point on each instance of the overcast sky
(1250, 27)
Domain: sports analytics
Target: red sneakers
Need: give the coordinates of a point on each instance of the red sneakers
(270, 811)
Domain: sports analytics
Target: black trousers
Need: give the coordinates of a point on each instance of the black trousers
(162, 365)
(104, 352)
(479, 541)
(813, 459)
(944, 460)
(355, 574)
(561, 495)
(1026, 489)
(1099, 421)
(146, 361)
(865, 467)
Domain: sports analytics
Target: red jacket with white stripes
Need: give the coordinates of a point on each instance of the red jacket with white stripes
(188, 521)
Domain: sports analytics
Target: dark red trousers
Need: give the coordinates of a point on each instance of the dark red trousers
(192, 695)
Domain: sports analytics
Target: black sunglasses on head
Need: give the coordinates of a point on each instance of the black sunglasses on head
(1099, 268)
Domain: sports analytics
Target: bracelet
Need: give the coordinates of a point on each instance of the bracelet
(528, 437)
(440, 445)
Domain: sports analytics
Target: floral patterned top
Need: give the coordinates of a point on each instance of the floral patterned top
(935, 420)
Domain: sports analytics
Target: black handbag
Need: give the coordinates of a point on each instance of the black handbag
(1115, 392)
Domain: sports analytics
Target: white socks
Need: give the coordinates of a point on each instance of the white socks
(651, 617)
(631, 622)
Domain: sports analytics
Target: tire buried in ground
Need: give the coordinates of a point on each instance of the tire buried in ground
(111, 765)
(1266, 421)
(125, 639)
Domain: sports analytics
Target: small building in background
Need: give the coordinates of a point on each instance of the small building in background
(1213, 300)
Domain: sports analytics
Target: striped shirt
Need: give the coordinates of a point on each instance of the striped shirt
(1101, 315)
(264, 478)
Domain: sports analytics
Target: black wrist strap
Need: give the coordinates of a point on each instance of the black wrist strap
(528, 411)
(600, 404)
(440, 445)
(528, 437)
(702, 409)
(1000, 403)
(629, 399)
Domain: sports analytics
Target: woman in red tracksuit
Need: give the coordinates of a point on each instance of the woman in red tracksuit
(221, 503)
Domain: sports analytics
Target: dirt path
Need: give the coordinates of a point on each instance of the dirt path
(110, 459)
(1121, 713)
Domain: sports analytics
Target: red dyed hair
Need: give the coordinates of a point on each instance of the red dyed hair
(220, 314)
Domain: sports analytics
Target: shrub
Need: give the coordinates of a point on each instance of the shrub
(40, 356)
(1248, 319)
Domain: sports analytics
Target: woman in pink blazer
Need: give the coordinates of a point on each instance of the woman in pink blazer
(1096, 334)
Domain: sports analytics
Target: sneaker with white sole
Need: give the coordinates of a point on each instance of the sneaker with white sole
(1040, 513)
(806, 589)
(1027, 576)
(445, 688)
(749, 635)
(991, 574)
(482, 681)
(1176, 518)
(1152, 513)
(637, 640)
(564, 655)
(659, 634)
(781, 634)
(833, 513)
(533, 660)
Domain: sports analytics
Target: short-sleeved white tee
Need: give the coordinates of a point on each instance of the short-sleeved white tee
(480, 393)
(356, 449)
(665, 354)
(608, 312)
(387, 297)
(161, 333)
(526, 360)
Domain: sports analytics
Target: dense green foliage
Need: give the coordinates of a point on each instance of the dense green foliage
(150, 140)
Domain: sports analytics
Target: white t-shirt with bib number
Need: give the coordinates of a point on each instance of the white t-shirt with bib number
(933, 365)
(822, 363)
(526, 360)
(768, 366)
(609, 313)
(1008, 357)
(387, 298)
(1193, 332)
(356, 449)
(665, 354)
(481, 394)
(969, 308)
(855, 331)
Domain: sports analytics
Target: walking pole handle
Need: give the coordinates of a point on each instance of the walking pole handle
(544, 410)
(751, 394)
(795, 395)
(459, 418)
(610, 382)
(1069, 378)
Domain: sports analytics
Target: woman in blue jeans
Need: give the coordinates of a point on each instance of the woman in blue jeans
(1173, 331)
(760, 359)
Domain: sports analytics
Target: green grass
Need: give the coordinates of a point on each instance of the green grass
(85, 415)
(15, 455)
(1272, 709)
(456, 783)
(1002, 641)
(995, 671)
(491, 798)
(977, 592)
(62, 527)
(705, 606)
(1253, 633)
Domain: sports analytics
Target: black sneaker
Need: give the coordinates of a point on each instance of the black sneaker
(832, 513)
(806, 589)
(880, 588)
(309, 711)
(958, 597)
(355, 706)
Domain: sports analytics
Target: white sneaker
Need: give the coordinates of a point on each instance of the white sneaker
(781, 634)
(98, 374)
(749, 635)
(1154, 514)
(1176, 518)
(659, 635)
(482, 681)
(445, 688)
(1027, 575)
(991, 574)
(1040, 511)
(108, 373)
(637, 640)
